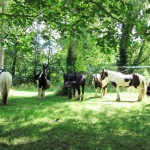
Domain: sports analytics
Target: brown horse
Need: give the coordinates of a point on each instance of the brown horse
(97, 82)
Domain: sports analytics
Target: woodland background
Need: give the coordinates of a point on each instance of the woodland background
(73, 36)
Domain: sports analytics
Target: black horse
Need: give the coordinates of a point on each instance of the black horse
(43, 81)
(74, 81)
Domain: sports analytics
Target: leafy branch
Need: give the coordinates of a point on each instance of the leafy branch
(105, 11)
(14, 15)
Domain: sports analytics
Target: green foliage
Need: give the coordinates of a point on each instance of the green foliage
(107, 33)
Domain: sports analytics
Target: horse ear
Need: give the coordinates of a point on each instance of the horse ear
(45, 65)
(103, 71)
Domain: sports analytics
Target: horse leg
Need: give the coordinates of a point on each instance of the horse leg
(78, 96)
(103, 91)
(95, 91)
(142, 91)
(43, 94)
(70, 93)
(4, 98)
(4, 94)
(74, 92)
(82, 97)
(39, 92)
(118, 94)
(140, 94)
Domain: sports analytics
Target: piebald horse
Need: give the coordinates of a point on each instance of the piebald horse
(42, 82)
(102, 84)
(121, 80)
(5, 84)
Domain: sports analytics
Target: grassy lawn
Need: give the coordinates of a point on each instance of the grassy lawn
(56, 123)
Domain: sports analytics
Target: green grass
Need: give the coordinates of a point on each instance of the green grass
(56, 123)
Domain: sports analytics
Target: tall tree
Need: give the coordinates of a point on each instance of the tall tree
(72, 56)
(114, 26)
(2, 5)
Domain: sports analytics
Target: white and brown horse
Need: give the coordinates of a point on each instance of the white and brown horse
(121, 80)
(42, 81)
(5, 84)
(98, 83)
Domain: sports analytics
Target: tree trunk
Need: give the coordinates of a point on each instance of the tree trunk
(49, 56)
(123, 47)
(2, 36)
(14, 63)
(71, 57)
(70, 64)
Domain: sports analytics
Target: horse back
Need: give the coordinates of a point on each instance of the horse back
(74, 79)
(80, 79)
(5, 77)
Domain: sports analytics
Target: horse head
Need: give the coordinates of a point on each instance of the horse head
(103, 74)
(70, 79)
(65, 78)
(45, 66)
(94, 77)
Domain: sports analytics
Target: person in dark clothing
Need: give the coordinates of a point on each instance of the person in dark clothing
(148, 90)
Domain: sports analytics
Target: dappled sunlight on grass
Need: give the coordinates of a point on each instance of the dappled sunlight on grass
(26, 93)
(60, 123)
(23, 140)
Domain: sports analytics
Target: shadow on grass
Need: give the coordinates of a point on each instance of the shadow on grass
(58, 123)
(106, 100)
(115, 132)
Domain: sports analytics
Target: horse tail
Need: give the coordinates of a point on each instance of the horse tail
(5, 94)
(6, 87)
(143, 88)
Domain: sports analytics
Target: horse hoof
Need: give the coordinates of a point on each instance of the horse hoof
(139, 100)
(82, 98)
(117, 100)
(101, 97)
(2, 104)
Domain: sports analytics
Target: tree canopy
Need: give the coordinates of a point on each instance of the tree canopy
(79, 35)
